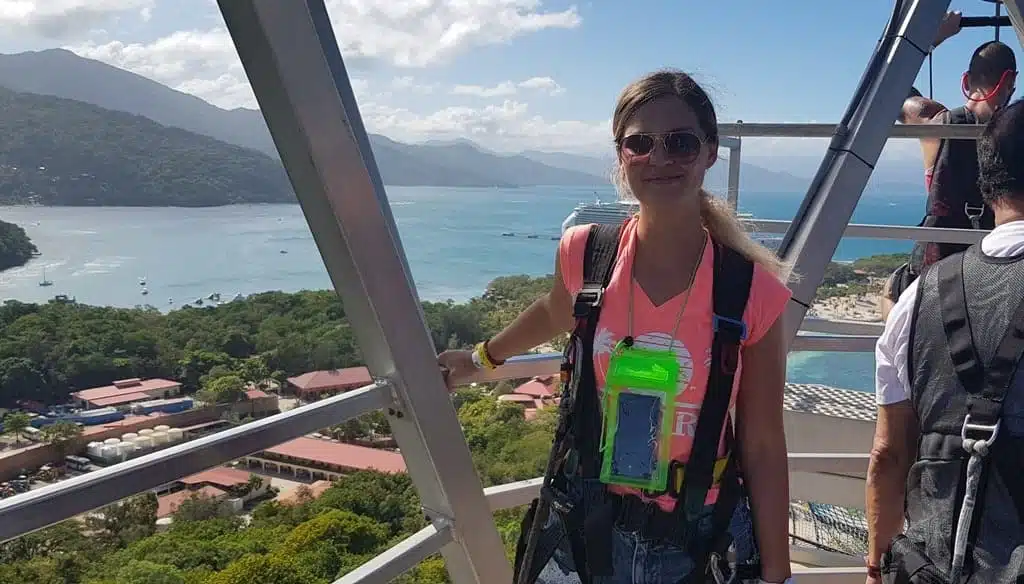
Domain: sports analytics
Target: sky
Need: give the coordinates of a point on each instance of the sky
(522, 74)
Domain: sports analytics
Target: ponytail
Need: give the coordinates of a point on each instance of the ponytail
(725, 228)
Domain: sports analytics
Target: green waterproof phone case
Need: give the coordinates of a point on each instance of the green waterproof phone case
(639, 397)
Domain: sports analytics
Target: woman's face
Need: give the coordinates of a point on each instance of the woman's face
(663, 152)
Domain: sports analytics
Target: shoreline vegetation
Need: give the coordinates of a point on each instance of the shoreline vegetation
(48, 350)
(16, 249)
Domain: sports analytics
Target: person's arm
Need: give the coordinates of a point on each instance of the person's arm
(762, 442)
(896, 431)
(918, 109)
(892, 454)
(548, 316)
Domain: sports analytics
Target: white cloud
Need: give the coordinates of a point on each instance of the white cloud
(500, 90)
(65, 19)
(409, 84)
(417, 33)
(404, 34)
(508, 88)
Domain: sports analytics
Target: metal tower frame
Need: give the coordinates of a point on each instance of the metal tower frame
(296, 70)
(293, 62)
(814, 235)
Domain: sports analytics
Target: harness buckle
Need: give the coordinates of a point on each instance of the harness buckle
(587, 298)
(974, 213)
(974, 444)
(735, 330)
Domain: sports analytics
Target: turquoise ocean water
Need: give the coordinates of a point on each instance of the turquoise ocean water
(452, 238)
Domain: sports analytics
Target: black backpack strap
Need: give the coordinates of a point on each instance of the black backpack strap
(986, 384)
(589, 525)
(598, 265)
(733, 275)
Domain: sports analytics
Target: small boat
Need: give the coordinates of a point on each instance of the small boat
(145, 291)
(44, 281)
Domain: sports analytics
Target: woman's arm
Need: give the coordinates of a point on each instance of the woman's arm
(540, 322)
(548, 316)
(762, 443)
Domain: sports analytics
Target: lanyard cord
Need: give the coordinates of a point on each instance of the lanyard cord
(686, 299)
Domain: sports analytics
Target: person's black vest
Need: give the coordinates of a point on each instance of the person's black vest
(957, 344)
(953, 198)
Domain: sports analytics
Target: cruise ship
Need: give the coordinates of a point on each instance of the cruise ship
(615, 212)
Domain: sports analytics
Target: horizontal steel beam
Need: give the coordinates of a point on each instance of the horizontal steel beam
(830, 575)
(868, 231)
(761, 130)
(543, 364)
(51, 504)
(814, 324)
(838, 344)
(401, 557)
(830, 462)
(521, 493)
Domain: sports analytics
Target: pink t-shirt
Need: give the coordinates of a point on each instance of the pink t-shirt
(652, 327)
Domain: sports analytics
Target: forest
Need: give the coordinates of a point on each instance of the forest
(16, 249)
(65, 152)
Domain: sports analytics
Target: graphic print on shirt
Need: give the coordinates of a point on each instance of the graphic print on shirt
(686, 413)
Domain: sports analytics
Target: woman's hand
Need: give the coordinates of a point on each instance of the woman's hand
(456, 366)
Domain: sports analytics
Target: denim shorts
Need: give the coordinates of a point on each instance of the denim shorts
(639, 560)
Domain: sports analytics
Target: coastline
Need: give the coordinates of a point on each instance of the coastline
(857, 307)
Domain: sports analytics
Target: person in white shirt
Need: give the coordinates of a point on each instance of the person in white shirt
(913, 365)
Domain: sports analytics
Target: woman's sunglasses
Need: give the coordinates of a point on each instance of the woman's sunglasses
(682, 145)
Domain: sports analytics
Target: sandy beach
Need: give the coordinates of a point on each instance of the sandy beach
(856, 307)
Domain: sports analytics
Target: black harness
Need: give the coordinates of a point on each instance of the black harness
(587, 511)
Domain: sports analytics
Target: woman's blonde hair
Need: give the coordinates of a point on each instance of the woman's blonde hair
(717, 215)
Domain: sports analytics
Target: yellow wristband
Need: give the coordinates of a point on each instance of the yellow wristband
(485, 359)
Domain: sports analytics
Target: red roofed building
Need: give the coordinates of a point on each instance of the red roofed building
(324, 459)
(168, 504)
(538, 387)
(126, 391)
(221, 476)
(315, 384)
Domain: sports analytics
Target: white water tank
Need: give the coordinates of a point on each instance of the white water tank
(161, 428)
(176, 434)
(128, 436)
(160, 437)
(108, 452)
(143, 442)
(145, 432)
(112, 441)
(93, 449)
(125, 448)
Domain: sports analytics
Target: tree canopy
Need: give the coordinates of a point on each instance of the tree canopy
(64, 152)
(16, 249)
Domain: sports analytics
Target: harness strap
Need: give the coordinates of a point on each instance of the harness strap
(598, 265)
(733, 274)
(589, 523)
(986, 387)
(577, 431)
(986, 384)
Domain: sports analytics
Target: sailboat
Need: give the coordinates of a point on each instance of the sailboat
(44, 281)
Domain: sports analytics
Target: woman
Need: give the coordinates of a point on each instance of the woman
(659, 295)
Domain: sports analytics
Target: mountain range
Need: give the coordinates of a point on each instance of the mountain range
(460, 163)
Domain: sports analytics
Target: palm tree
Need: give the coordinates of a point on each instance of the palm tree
(15, 423)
